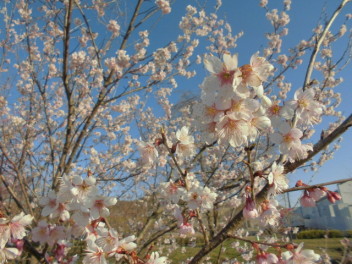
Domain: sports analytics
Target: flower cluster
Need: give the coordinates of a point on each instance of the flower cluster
(81, 211)
(230, 111)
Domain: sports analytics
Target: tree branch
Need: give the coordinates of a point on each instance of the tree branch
(319, 42)
(316, 185)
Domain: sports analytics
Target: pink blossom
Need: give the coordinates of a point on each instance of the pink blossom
(156, 259)
(108, 241)
(53, 207)
(256, 72)
(185, 146)
(277, 178)
(287, 137)
(148, 152)
(94, 254)
(232, 131)
(266, 258)
(250, 211)
(41, 232)
(308, 110)
(98, 206)
(186, 229)
(306, 256)
(45, 233)
(18, 224)
(8, 254)
(164, 5)
(114, 27)
(317, 193)
(5, 233)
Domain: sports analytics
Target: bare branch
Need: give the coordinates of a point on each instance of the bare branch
(320, 41)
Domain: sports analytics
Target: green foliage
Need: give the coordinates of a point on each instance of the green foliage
(335, 233)
(311, 234)
(348, 233)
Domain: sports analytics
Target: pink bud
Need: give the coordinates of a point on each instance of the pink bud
(19, 243)
(60, 251)
(307, 201)
(333, 196)
(250, 210)
(336, 195)
(299, 183)
(186, 228)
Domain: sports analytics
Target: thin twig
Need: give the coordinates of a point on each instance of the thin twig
(276, 245)
(319, 42)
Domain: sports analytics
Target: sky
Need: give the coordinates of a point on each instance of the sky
(248, 17)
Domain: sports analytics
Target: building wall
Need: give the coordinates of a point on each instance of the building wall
(345, 190)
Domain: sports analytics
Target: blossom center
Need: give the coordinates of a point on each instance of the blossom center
(52, 203)
(194, 196)
(232, 124)
(303, 103)
(288, 138)
(274, 110)
(226, 77)
(99, 204)
(210, 110)
(246, 71)
(236, 106)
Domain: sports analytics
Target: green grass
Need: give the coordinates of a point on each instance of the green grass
(331, 245)
(180, 255)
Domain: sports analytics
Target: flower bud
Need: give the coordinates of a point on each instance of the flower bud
(299, 183)
(307, 201)
(173, 148)
(158, 141)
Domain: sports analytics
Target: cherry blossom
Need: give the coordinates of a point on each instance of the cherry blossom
(200, 197)
(232, 131)
(156, 259)
(18, 224)
(307, 201)
(41, 232)
(108, 240)
(8, 254)
(307, 109)
(250, 211)
(148, 152)
(300, 256)
(53, 207)
(269, 215)
(277, 178)
(185, 145)
(288, 139)
(98, 206)
(255, 73)
(94, 254)
(267, 258)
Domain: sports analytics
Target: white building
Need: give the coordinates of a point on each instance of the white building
(327, 215)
